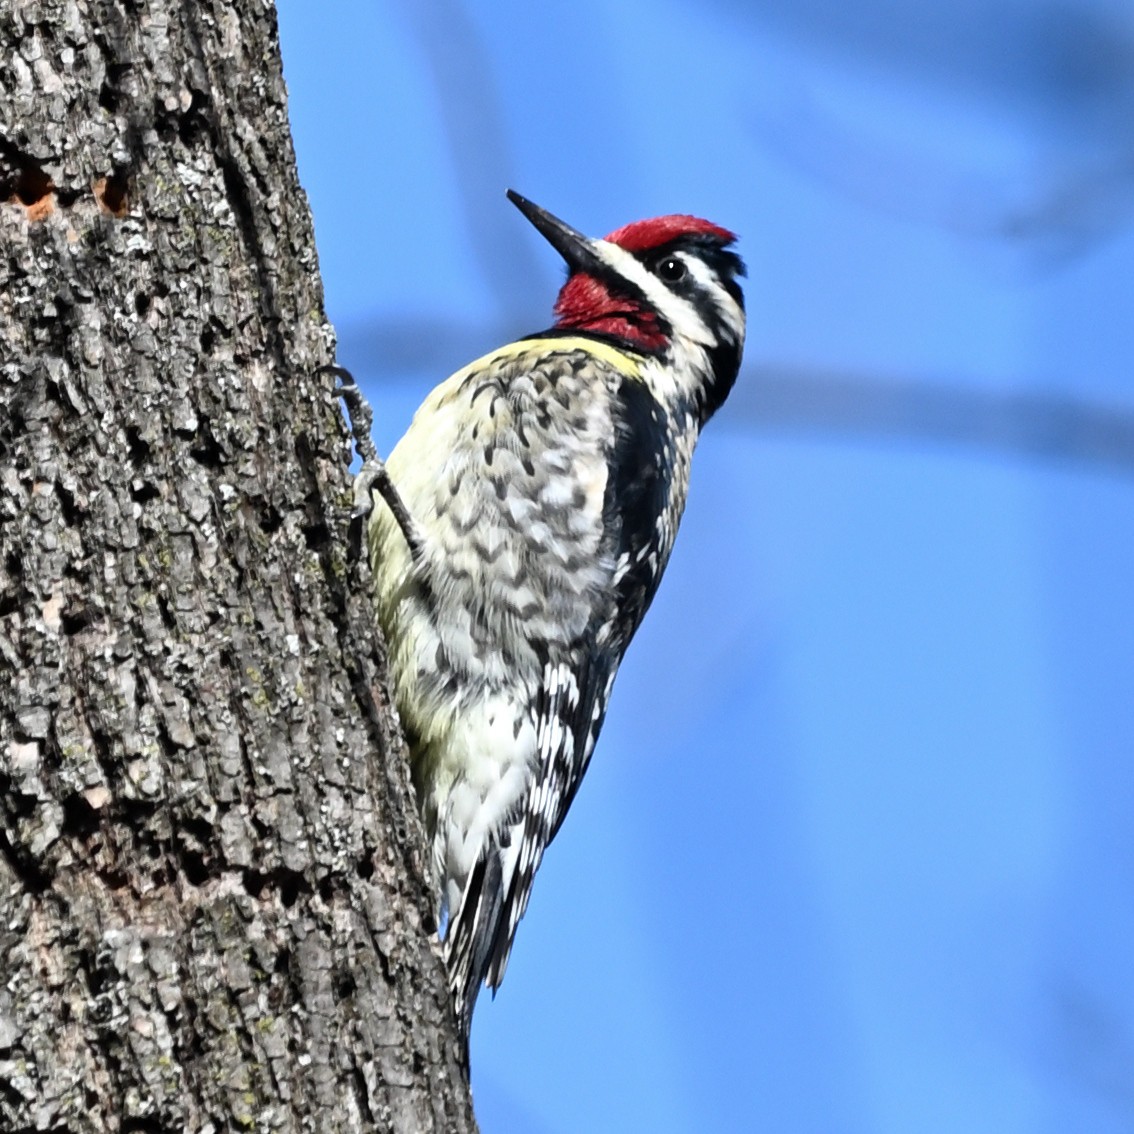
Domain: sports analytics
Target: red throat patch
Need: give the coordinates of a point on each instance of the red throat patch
(586, 304)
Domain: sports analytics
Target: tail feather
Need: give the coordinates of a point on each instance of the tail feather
(472, 929)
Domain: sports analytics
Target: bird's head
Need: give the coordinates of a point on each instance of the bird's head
(666, 287)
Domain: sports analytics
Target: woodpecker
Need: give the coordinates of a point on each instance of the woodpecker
(516, 536)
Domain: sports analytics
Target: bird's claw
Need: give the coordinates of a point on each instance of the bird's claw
(373, 475)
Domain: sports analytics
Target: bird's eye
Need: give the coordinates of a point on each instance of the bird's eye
(671, 269)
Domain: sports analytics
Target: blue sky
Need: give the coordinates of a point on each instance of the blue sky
(855, 851)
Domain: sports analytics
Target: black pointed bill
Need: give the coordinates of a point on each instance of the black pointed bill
(577, 249)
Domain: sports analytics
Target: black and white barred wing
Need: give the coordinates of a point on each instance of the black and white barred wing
(572, 705)
(640, 516)
(638, 519)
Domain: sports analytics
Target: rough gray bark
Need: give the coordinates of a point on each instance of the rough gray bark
(213, 907)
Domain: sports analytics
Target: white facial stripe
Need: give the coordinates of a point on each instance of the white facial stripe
(679, 313)
(732, 314)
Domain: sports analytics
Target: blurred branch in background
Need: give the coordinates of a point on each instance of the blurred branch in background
(1096, 1047)
(1048, 58)
(1058, 74)
(473, 120)
(1066, 69)
(1019, 424)
(1051, 209)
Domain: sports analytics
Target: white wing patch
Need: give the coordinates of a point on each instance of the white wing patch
(563, 749)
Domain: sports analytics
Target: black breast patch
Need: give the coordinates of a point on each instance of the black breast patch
(637, 498)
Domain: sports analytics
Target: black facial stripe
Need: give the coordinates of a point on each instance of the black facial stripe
(733, 288)
(637, 301)
(619, 284)
(725, 361)
(724, 263)
(701, 298)
(724, 353)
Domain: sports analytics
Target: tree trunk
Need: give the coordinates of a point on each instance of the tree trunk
(214, 910)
